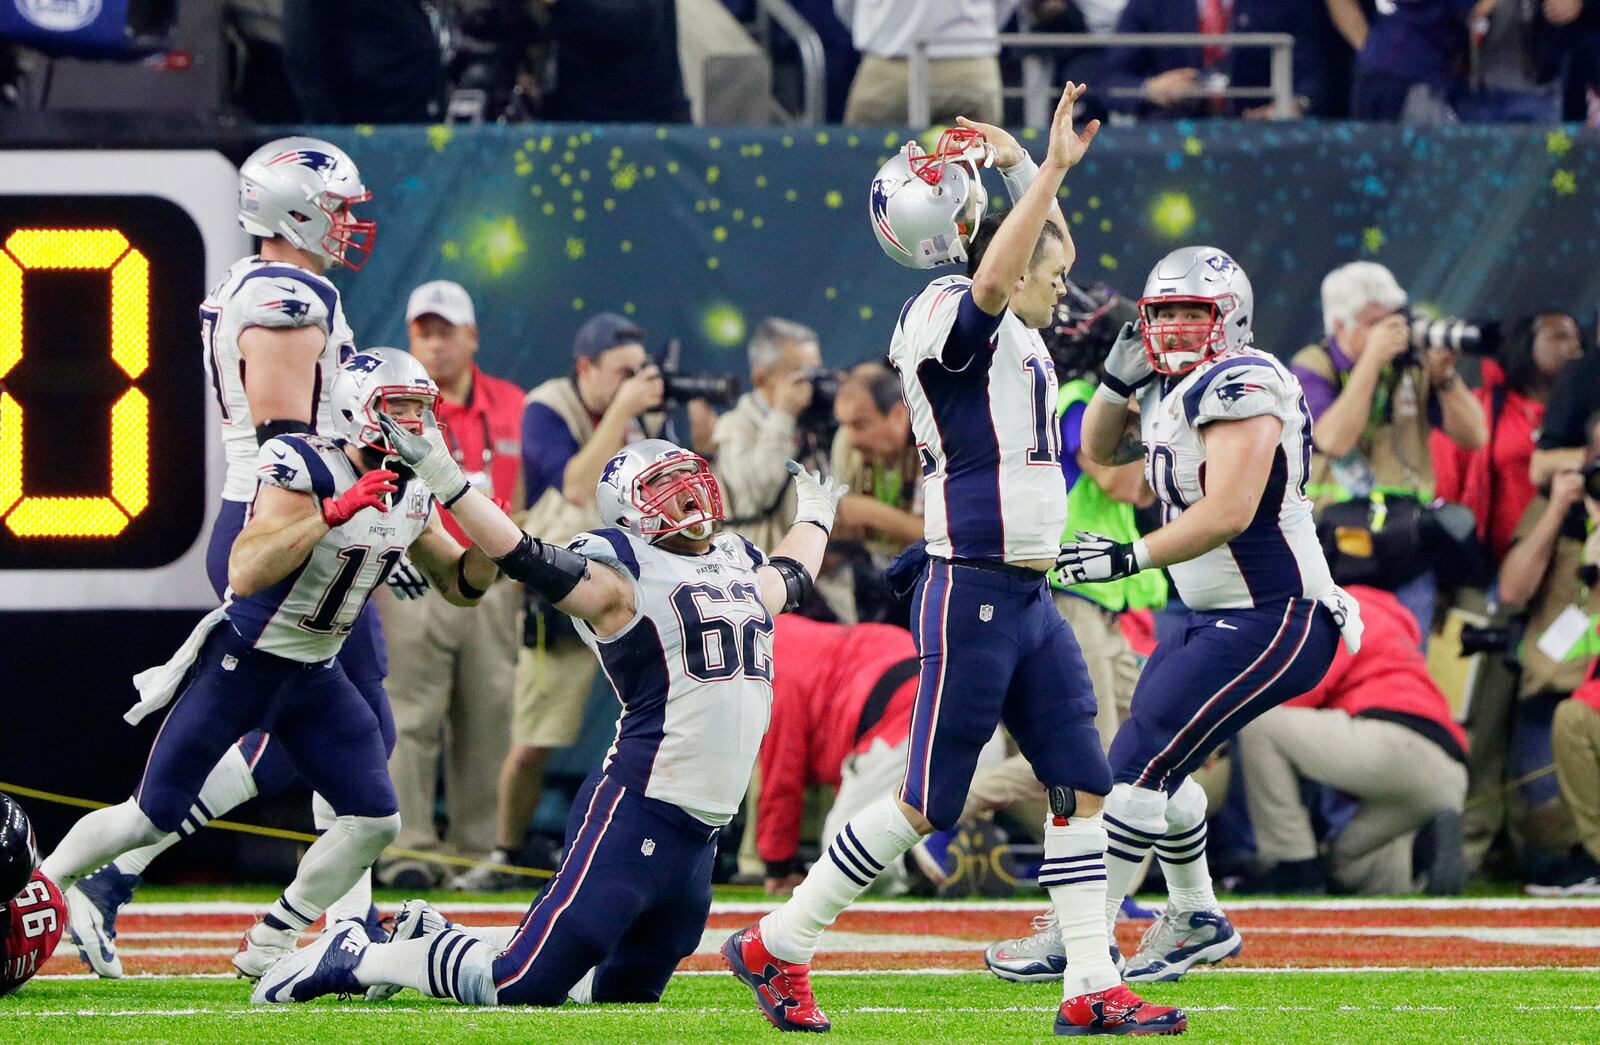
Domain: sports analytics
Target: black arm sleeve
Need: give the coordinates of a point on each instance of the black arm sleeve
(796, 580)
(272, 429)
(548, 569)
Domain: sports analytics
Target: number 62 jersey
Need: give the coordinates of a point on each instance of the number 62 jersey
(693, 670)
(1277, 556)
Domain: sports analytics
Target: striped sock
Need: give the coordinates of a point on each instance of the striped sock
(857, 855)
(283, 915)
(1074, 874)
(1135, 820)
(1183, 851)
(450, 964)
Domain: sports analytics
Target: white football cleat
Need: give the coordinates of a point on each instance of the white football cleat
(325, 966)
(261, 947)
(94, 933)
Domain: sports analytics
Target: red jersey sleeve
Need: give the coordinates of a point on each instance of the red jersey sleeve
(33, 925)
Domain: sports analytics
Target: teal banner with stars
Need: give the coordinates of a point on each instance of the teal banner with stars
(700, 233)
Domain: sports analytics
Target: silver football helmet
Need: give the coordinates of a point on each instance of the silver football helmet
(924, 205)
(362, 385)
(1202, 276)
(641, 484)
(302, 189)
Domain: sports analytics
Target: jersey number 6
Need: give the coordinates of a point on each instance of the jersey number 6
(716, 647)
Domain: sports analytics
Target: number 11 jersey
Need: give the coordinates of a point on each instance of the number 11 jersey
(693, 670)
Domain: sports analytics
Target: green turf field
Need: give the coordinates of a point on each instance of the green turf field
(968, 1007)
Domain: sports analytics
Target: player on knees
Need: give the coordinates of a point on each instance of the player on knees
(1227, 439)
(680, 617)
(981, 390)
(329, 522)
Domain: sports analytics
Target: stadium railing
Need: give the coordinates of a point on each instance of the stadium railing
(1039, 93)
(813, 65)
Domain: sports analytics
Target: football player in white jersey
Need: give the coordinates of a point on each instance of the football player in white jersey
(273, 334)
(680, 617)
(982, 394)
(328, 522)
(1227, 448)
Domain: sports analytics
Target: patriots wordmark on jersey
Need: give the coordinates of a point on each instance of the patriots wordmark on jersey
(982, 395)
(1278, 555)
(276, 295)
(693, 670)
(306, 615)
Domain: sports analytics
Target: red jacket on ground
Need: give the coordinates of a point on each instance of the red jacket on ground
(30, 927)
(1389, 677)
(1493, 481)
(824, 674)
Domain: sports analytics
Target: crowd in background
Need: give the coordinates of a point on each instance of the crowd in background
(1456, 474)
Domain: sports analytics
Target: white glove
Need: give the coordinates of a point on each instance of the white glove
(1094, 557)
(428, 455)
(816, 498)
(406, 581)
(1347, 615)
(1127, 365)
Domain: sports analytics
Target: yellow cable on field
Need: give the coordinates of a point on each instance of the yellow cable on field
(286, 835)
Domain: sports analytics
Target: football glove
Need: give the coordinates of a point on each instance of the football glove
(816, 498)
(406, 581)
(428, 456)
(1094, 557)
(370, 491)
(1127, 365)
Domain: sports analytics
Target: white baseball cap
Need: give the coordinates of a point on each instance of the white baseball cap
(449, 301)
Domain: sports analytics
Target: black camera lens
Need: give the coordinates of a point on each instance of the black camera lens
(721, 389)
(1591, 479)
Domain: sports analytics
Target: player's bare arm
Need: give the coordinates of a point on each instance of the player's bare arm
(1110, 430)
(1007, 258)
(791, 570)
(285, 525)
(281, 364)
(1238, 462)
(461, 575)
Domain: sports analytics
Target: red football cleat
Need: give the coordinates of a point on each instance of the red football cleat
(782, 989)
(1118, 1011)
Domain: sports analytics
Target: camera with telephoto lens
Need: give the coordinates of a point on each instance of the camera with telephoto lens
(818, 417)
(678, 387)
(1472, 337)
(1501, 640)
(1087, 322)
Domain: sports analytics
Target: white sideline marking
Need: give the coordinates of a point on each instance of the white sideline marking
(1512, 903)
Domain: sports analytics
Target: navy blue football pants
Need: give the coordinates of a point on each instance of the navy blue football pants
(362, 656)
(322, 722)
(994, 649)
(630, 901)
(1222, 670)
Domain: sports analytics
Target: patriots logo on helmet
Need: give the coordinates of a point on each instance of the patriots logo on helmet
(1222, 263)
(316, 159)
(613, 466)
(880, 211)
(289, 307)
(1234, 391)
(279, 474)
(364, 363)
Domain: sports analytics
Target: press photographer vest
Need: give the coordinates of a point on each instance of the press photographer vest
(1393, 447)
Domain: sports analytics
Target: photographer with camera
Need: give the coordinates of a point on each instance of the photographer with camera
(1551, 572)
(1375, 393)
(873, 453)
(768, 426)
(571, 426)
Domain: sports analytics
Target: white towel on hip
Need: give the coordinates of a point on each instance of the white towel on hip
(158, 685)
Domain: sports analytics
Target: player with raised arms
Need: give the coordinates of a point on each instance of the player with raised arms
(1227, 448)
(328, 522)
(982, 394)
(273, 333)
(680, 617)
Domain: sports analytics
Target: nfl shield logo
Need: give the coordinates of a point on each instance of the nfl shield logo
(229, 662)
(986, 612)
(648, 846)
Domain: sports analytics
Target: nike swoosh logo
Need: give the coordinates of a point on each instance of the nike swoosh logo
(279, 454)
(1225, 624)
(290, 289)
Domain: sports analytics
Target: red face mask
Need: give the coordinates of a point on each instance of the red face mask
(371, 434)
(655, 492)
(350, 239)
(1194, 340)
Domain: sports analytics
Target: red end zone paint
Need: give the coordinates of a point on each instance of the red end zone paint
(1308, 937)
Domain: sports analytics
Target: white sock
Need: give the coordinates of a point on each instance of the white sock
(450, 964)
(331, 866)
(858, 854)
(357, 901)
(498, 937)
(228, 786)
(1074, 873)
(1135, 817)
(1183, 851)
(96, 838)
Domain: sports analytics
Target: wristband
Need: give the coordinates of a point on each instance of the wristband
(1141, 554)
(1019, 176)
(1116, 396)
(463, 585)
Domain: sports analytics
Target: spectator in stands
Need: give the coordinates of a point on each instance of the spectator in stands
(1494, 481)
(841, 716)
(571, 426)
(873, 453)
(1374, 400)
(1545, 572)
(1162, 81)
(1520, 56)
(363, 61)
(1406, 58)
(615, 62)
(964, 66)
(451, 668)
(1376, 728)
